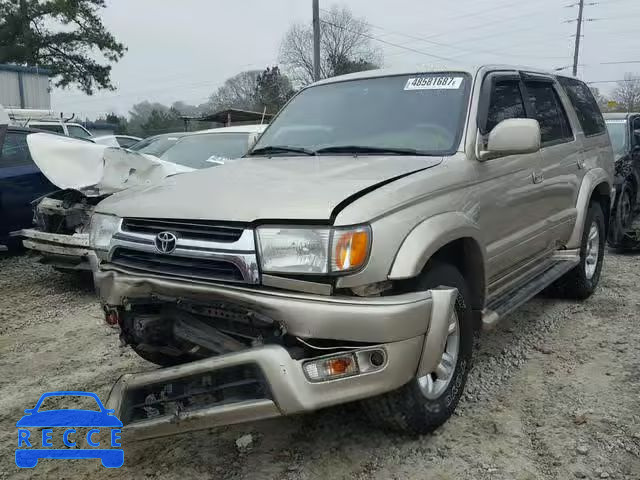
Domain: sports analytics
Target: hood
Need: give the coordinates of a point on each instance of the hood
(94, 169)
(258, 188)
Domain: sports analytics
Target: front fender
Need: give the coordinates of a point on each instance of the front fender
(428, 237)
(591, 180)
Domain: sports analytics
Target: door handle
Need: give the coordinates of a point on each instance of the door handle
(537, 177)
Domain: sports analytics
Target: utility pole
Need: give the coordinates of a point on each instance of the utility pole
(316, 40)
(576, 53)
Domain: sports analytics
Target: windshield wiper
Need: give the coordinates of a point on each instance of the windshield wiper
(366, 149)
(280, 149)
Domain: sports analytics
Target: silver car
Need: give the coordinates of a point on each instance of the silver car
(380, 221)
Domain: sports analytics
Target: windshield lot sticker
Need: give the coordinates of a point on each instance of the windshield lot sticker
(434, 83)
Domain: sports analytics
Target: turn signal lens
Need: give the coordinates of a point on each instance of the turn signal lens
(329, 368)
(351, 249)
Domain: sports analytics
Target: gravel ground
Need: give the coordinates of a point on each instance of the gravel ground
(554, 394)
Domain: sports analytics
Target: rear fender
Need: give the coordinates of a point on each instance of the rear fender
(591, 180)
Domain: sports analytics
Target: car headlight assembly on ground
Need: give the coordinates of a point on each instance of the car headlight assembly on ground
(313, 251)
(102, 229)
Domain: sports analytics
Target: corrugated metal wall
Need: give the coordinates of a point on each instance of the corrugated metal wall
(35, 90)
(9, 89)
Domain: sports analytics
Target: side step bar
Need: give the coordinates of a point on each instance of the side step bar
(526, 289)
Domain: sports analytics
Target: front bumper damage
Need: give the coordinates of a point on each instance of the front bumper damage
(68, 251)
(60, 235)
(409, 330)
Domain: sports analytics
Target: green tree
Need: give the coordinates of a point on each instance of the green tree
(342, 65)
(273, 89)
(162, 121)
(119, 121)
(61, 36)
(238, 91)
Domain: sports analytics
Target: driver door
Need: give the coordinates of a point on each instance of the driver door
(511, 188)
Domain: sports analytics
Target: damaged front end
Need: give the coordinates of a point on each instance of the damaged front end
(86, 173)
(242, 353)
(60, 235)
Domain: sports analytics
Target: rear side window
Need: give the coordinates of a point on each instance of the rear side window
(585, 105)
(77, 131)
(506, 103)
(125, 142)
(15, 151)
(548, 110)
(57, 128)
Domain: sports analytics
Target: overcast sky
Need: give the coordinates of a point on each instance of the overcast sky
(184, 50)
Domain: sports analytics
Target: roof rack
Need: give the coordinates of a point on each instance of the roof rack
(26, 115)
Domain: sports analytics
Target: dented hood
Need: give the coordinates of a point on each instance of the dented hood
(257, 188)
(93, 169)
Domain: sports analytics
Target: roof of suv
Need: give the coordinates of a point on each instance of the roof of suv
(387, 72)
(234, 129)
(618, 115)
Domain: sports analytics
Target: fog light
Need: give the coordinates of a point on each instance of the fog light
(329, 368)
(377, 358)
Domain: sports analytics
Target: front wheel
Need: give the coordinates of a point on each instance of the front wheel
(160, 358)
(426, 402)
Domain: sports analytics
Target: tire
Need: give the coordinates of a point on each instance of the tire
(622, 218)
(407, 409)
(580, 283)
(159, 358)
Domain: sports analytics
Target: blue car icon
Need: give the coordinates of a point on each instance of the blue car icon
(68, 419)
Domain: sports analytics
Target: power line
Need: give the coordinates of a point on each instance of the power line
(396, 45)
(453, 46)
(481, 25)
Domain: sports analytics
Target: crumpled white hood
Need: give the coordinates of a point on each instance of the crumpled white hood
(94, 169)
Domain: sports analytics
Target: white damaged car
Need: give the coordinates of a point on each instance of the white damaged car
(87, 173)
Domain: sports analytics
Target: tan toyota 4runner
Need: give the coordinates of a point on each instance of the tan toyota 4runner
(381, 220)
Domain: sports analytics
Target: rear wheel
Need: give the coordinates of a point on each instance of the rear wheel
(427, 402)
(622, 217)
(582, 281)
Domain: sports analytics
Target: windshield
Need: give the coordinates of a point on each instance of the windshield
(78, 131)
(618, 134)
(417, 112)
(205, 149)
(155, 145)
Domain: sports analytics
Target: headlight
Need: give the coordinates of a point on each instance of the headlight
(103, 227)
(313, 250)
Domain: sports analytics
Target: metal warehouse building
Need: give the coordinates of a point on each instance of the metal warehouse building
(24, 87)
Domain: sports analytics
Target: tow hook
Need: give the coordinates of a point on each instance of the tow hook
(112, 317)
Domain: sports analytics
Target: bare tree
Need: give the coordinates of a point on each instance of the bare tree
(627, 93)
(345, 46)
(238, 91)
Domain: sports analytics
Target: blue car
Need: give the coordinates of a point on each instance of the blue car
(30, 453)
(21, 182)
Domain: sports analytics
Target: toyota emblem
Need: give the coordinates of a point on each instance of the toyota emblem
(166, 242)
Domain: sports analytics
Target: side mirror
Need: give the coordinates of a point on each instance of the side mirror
(512, 136)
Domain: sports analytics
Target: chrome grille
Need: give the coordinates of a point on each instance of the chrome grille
(191, 229)
(176, 266)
